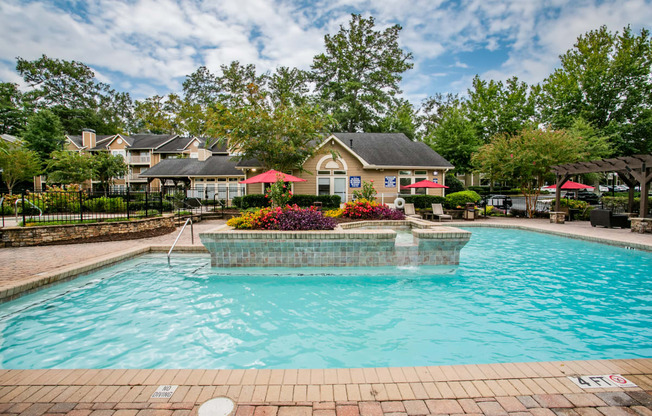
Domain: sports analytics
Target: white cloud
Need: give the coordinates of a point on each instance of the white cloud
(150, 45)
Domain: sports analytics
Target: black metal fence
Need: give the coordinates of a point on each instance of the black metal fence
(61, 207)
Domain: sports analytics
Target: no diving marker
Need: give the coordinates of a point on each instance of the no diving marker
(602, 381)
(164, 392)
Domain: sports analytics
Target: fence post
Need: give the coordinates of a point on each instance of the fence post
(128, 198)
(81, 206)
(160, 196)
(23, 209)
(146, 203)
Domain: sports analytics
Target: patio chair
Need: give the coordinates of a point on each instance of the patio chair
(410, 211)
(607, 218)
(438, 212)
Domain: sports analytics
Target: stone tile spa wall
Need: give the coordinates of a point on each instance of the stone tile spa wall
(339, 248)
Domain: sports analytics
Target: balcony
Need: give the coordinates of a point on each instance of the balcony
(139, 160)
(135, 177)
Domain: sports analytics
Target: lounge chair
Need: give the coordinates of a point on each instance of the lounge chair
(607, 218)
(438, 212)
(410, 212)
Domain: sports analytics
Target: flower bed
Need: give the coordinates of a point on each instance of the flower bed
(362, 209)
(290, 218)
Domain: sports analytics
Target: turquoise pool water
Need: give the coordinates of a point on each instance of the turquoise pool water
(516, 296)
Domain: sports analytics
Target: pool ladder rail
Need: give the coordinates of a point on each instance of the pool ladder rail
(192, 237)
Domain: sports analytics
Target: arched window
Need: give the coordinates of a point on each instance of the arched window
(331, 177)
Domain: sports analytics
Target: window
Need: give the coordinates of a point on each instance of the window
(406, 178)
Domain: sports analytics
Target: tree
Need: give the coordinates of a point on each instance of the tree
(71, 87)
(59, 82)
(401, 118)
(44, 133)
(67, 167)
(289, 86)
(235, 84)
(280, 137)
(201, 87)
(454, 136)
(156, 114)
(357, 78)
(106, 168)
(18, 164)
(526, 157)
(12, 114)
(497, 108)
(606, 79)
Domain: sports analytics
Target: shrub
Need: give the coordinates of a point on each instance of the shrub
(459, 199)
(285, 219)
(367, 192)
(454, 184)
(423, 201)
(279, 193)
(259, 201)
(370, 210)
(293, 218)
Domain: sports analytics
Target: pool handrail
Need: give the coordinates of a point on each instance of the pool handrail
(192, 237)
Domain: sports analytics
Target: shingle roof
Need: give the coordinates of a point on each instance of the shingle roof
(383, 149)
(175, 145)
(392, 149)
(219, 165)
(148, 141)
(98, 139)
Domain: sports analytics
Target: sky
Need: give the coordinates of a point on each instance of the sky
(147, 47)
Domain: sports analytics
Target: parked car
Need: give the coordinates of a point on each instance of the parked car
(621, 188)
(604, 188)
(498, 201)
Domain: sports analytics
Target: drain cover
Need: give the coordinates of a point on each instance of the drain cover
(219, 406)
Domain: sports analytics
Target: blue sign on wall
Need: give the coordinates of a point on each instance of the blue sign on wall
(390, 181)
(355, 181)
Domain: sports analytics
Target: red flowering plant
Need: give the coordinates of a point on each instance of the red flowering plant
(363, 209)
(279, 193)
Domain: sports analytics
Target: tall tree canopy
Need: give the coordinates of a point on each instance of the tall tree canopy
(357, 77)
(280, 137)
(44, 133)
(606, 79)
(80, 99)
(12, 114)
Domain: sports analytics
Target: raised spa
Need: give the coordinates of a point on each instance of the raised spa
(370, 243)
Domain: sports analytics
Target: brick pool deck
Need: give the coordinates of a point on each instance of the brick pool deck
(514, 389)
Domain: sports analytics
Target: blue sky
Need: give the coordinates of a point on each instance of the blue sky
(146, 47)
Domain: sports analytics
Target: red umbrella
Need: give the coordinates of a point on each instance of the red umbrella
(570, 185)
(424, 184)
(272, 176)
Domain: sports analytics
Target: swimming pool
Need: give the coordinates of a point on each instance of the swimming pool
(516, 296)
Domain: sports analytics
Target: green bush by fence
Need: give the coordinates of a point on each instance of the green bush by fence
(423, 201)
(459, 199)
(259, 201)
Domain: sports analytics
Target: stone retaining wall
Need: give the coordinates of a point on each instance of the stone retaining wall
(339, 248)
(54, 234)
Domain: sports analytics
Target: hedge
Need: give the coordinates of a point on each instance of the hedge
(259, 201)
(423, 201)
(459, 199)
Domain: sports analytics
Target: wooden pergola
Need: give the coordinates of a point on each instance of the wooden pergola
(633, 170)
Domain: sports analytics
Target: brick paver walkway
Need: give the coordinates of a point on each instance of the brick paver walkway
(17, 263)
(529, 389)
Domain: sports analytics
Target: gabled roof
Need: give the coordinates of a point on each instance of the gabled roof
(383, 150)
(77, 140)
(149, 141)
(219, 165)
(392, 149)
(176, 145)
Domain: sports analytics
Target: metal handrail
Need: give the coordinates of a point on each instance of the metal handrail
(192, 237)
(29, 202)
